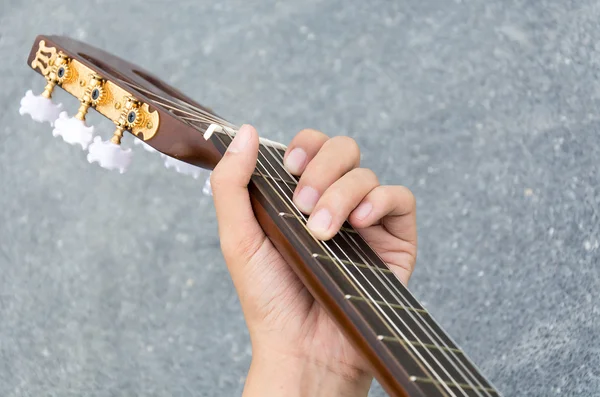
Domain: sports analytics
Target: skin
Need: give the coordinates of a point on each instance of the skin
(297, 350)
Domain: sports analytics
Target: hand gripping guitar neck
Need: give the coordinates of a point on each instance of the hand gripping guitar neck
(411, 355)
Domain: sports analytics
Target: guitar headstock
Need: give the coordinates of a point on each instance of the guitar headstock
(160, 117)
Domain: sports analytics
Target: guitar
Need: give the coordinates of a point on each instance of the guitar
(411, 355)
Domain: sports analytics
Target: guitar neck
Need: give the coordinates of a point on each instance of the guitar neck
(409, 352)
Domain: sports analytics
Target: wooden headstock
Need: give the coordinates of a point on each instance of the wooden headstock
(136, 101)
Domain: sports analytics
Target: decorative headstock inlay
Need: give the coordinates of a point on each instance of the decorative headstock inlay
(93, 90)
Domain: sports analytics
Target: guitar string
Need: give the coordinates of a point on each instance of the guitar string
(378, 272)
(450, 351)
(437, 339)
(332, 255)
(407, 303)
(378, 292)
(214, 118)
(200, 118)
(179, 102)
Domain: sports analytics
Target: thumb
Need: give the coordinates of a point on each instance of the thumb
(239, 232)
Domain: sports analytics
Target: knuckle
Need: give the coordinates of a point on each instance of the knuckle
(350, 146)
(334, 198)
(309, 135)
(366, 174)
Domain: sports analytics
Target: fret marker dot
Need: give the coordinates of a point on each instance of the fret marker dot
(315, 255)
(348, 297)
(380, 337)
(413, 378)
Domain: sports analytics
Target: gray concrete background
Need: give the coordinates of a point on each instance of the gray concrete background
(113, 285)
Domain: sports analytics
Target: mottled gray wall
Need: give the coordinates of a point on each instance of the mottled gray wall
(488, 109)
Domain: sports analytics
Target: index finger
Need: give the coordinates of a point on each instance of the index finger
(303, 148)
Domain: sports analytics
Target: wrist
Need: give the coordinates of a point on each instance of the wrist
(275, 374)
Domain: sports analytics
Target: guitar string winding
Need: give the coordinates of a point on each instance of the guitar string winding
(212, 118)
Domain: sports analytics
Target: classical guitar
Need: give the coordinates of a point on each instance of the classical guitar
(411, 355)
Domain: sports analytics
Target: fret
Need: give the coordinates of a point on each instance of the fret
(394, 317)
(330, 259)
(342, 248)
(432, 389)
(452, 385)
(449, 362)
(281, 153)
(380, 303)
(347, 228)
(443, 363)
(274, 164)
(358, 244)
(226, 136)
(372, 281)
(410, 323)
(257, 174)
(427, 345)
(270, 163)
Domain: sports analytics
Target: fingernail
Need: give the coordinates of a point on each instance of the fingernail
(307, 199)
(320, 221)
(241, 139)
(295, 160)
(363, 210)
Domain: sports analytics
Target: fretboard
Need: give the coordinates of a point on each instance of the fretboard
(400, 333)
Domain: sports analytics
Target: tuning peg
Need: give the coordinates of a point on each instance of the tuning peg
(73, 130)
(40, 107)
(110, 154)
(182, 167)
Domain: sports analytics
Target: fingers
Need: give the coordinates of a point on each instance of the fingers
(303, 148)
(239, 232)
(335, 158)
(395, 205)
(332, 189)
(339, 200)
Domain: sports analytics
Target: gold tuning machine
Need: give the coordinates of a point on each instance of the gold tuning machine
(130, 117)
(92, 96)
(58, 73)
(56, 69)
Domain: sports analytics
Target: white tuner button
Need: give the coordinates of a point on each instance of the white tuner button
(109, 155)
(40, 108)
(73, 131)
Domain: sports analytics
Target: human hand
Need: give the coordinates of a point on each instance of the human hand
(297, 350)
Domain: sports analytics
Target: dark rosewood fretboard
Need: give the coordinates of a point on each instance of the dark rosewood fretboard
(355, 285)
